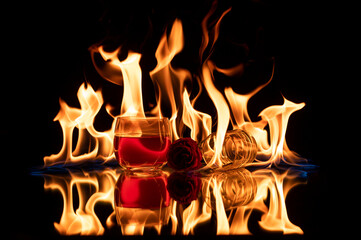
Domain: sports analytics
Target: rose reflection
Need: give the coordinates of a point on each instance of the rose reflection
(141, 200)
(184, 187)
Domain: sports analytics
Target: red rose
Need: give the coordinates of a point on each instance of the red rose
(183, 187)
(184, 154)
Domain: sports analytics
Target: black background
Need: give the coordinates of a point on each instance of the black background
(47, 57)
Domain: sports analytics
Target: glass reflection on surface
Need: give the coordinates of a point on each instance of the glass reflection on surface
(236, 188)
(141, 200)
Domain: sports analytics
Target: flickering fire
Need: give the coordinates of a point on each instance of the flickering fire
(83, 119)
(172, 91)
(232, 202)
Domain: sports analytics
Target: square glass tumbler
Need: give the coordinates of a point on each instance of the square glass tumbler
(141, 143)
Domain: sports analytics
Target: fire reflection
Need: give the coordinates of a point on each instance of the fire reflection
(88, 188)
(176, 202)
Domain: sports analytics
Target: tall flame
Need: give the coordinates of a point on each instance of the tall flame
(277, 118)
(223, 113)
(132, 103)
(170, 81)
(82, 119)
(200, 123)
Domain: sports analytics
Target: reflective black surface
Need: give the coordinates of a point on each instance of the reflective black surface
(303, 204)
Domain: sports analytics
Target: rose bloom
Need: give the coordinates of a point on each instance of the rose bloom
(184, 154)
(183, 187)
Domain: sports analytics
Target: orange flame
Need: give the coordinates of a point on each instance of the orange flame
(223, 113)
(200, 123)
(277, 118)
(132, 103)
(169, 80)
(83, 118)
